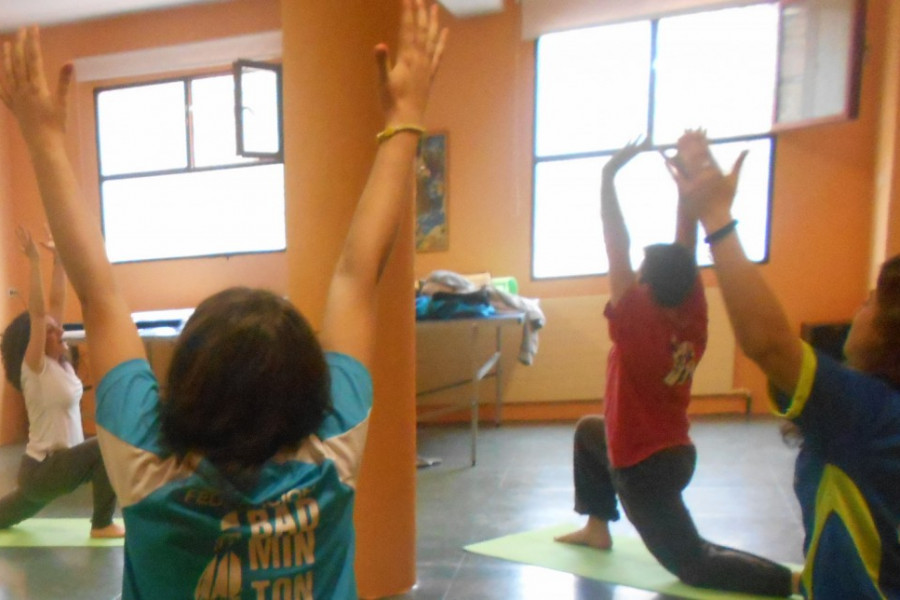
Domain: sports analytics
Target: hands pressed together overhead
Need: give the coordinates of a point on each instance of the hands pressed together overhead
(702, 186)
(705, 194)
(700, 181)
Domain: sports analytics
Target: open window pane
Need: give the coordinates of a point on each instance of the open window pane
(821, 57)
(212, 119)
(592, 88)
(716, 70)
(142, 129)
(258, 95)
(227, 211)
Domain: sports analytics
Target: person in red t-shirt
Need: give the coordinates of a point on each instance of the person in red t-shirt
(640, 450)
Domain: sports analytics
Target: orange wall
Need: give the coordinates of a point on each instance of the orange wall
(147, 286)
(331, 117)
(483, 99)
(823, 192)
(165, 284)
(12, 408)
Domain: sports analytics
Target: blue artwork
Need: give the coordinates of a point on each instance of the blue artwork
(431, 194)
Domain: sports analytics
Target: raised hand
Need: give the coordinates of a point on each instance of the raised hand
(692, 153)
(26, 242)
(404, 86)
(42, 119)
(350, 310)
(24, 89)
(624, 156)
(705, 191)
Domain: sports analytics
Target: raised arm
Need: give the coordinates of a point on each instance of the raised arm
(615, 233)
(759, 322)
(349, 323)
(693, 155)
(42, 118)
(37, 310)
(57, 298)
(685, 227)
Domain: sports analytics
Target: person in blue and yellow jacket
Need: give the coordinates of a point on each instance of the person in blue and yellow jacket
(848, 468)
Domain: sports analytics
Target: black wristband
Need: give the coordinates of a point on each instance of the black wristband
(718, 234)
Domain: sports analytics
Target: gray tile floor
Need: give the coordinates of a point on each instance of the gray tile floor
(741, 496)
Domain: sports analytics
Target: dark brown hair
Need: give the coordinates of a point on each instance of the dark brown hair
(670, 271)
(248, 378)
(887, 321)
(887, 324)
(13, 346)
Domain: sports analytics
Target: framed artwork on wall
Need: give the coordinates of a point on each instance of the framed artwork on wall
(431, 194)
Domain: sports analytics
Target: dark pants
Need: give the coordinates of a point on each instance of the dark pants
(60, 473)
(650, 493)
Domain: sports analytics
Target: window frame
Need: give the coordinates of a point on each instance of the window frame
(654, 148)
(186, 79)
(238, 68)
(773, 139)
(855, 13)
(852, 95)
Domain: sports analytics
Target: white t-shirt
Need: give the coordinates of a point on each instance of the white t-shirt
(52, 399)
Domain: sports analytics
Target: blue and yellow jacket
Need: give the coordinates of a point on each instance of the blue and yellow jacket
(847, 480)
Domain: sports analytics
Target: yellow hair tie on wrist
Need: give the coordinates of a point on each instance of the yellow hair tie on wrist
(392, 130)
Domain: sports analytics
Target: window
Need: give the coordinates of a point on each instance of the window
(172, 183)
(599, 87)
(259, 117)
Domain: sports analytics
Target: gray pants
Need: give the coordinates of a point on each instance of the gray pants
(60, 473)
(650, 493)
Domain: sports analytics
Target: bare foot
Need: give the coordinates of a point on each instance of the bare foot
(595, 534)
(113, 530)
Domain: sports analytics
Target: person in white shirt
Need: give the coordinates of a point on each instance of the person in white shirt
(57, 458)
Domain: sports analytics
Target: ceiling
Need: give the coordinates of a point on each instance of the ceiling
(16, 13)
(468, 8)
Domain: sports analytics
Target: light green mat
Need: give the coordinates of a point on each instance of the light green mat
(629, 563)
(54, 532)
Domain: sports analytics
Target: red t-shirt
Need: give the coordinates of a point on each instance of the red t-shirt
(649, 372)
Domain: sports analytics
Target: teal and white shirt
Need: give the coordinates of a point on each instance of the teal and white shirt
(191, 534)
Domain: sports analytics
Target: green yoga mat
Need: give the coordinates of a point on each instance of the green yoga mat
(628, 563)
(54, 533)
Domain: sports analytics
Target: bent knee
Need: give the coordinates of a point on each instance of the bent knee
(591, 427)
